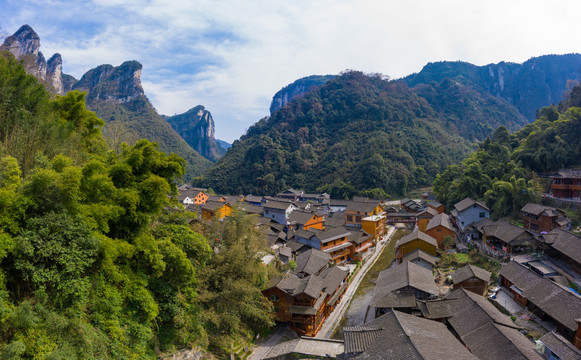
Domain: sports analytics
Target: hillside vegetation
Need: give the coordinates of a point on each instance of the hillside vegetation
(358, 134)
(503, 170)
(95, 261)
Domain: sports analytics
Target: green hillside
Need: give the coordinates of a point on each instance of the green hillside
(354, 134)
(503, 170)
(96, 260)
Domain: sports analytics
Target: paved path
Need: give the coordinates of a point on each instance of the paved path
(259, 350)
(335, 318)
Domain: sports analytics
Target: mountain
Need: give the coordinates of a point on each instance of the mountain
(25, 46)
(224, 144)
(353, 132)
(297, 88)
(196, 127)
(538, 82)
(114, 93)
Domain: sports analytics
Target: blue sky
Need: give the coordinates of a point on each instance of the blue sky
(232, 56)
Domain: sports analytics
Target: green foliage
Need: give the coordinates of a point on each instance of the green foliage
(93, 263)
(355, 134)
(503, 170)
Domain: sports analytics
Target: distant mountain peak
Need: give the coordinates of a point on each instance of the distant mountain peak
(196, 127)
(24, 44)
(118, 84)
(296, 89)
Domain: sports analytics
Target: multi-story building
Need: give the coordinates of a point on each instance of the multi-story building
(566, 184)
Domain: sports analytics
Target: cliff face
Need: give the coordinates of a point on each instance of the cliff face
(529, 86)
(196, 126)
(25, 46)
(119, 84)
(298, 88)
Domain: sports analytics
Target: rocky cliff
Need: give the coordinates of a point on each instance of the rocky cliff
(538, 82)
(196, 126)
(116, 95)
(119, 84)
(298, 88)
(25, 46)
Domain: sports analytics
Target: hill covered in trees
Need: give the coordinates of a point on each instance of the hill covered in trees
(503, 170)
(96, 261)
(354, 133)
(536, 83)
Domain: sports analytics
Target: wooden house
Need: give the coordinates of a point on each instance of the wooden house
(420, 257)
(217, 209)
(413, 241)
(305, 302)
(424, 217)
(437, 206)
(565, 246)
(290, 194)
(545, 298)
(397, 335)
(566, 184)
(472, 278)
(356, 211)
(374, 225)
(399, 286)
(333, 241)
(540, 218)
(439, 227)
(502, 235)
(305, 220)
(362, 242)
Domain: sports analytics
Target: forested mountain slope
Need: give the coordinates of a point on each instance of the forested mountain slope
(354, 133)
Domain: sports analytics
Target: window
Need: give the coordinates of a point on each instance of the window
(349, 218)
(481, 215)
(266, 211)
(439, 230)
(274, 297)
(276, 309)
(474, 206)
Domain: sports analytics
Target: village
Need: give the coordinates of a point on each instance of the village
(459, 285)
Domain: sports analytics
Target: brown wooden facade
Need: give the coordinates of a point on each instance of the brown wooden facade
(474, 285)
(439, 232)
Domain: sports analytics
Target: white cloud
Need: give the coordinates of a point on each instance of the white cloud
(232, 56)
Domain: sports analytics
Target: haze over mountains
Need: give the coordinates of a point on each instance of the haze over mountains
(324, 129)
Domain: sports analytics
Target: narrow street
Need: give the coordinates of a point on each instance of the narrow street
(335, 317)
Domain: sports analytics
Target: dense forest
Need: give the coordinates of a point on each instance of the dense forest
(360, 134)
(96, 259)
(504, 171)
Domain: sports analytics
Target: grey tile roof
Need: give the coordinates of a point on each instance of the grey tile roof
(253, 198)
(507, 232)
(295, 245)
(479, 324)
(434, 203)
(566, 243)
(251, 209)
(305, 234)
(277, 205)
(417, 235)
(440, 220)
(421, 254)
(428, 213)
(312, 261)
(437, 309)
(366, 207)
(538, 209)
(182, 194)
(333, 277)
(560, 346)
(330, 234)
(398, 277)
(397, 335)
(285, 251)
(335, 221)
(568, 174)
(468, 272)
(213, 205)
(359, 236)
(300, 217)
(466, 203)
